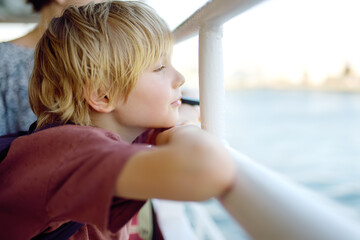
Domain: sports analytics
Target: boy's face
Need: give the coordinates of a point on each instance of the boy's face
(155, 100)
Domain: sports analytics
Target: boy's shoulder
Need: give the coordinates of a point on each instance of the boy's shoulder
(71, 132)
(66, 142)
(67, 139)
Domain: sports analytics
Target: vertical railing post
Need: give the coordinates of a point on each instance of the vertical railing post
(211, 79)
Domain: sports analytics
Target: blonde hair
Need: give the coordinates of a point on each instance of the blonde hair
(102, 47)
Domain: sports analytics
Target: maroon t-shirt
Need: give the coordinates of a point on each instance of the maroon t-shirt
(61, 174)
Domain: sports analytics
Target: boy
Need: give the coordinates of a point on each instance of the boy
(102, 76)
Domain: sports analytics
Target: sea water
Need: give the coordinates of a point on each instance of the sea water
(313, 138)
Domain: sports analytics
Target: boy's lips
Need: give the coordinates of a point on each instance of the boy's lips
(177, 102)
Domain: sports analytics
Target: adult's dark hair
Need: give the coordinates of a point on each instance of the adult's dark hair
(38, 4)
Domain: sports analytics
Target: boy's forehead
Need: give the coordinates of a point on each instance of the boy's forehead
(166, 56)
(162, 60)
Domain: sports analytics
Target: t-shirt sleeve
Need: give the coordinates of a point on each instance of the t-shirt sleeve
(82, 189)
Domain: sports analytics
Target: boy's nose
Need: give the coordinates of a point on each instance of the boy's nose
(179, 79)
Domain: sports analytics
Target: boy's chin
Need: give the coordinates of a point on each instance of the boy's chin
(168, 124)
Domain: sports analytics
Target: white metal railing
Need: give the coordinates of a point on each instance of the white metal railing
(264, 203)
(208, 21)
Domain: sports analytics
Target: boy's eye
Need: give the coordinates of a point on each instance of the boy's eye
(159, 69)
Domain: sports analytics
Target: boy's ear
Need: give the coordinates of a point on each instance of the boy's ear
(98, 101)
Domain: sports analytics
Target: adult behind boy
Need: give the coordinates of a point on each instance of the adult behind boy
(103, 76)
(16, 63)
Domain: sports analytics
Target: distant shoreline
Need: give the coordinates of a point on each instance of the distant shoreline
(295, 88)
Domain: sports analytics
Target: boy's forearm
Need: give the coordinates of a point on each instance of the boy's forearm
(191, 165)
(211, 155)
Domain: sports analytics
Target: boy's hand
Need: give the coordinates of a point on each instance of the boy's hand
(189, 112)
(185, 128)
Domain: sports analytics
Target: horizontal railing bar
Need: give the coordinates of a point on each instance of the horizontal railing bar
(214, 12)
(269, 206)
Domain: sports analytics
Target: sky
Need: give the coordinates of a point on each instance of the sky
(278, 39)
(281, 39)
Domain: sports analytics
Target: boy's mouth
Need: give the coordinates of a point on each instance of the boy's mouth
(176, 103)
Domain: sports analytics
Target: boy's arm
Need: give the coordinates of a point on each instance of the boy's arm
(189, 164)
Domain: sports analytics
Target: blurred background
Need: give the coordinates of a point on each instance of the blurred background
(292, 77)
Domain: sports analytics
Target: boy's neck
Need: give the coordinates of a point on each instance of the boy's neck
(107, 122)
